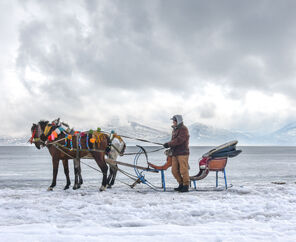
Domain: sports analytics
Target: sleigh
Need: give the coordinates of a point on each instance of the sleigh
(214, 160)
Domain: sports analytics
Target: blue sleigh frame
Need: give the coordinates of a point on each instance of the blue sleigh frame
(216, 160)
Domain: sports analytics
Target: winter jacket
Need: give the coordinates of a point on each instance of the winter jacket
(180, 140)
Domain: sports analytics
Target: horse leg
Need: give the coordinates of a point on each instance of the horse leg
(99, 158)
(79, 175)
(55, 166)
(76, 172)
(66, 170)
(115, 169)
(113, 154)
(112, 176)
(104, 169)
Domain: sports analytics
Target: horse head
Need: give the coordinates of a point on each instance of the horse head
(117, 148)
(39, 134)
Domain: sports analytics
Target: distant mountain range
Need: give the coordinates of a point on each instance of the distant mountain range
(283, 136)
(7, 140)
(200, 134)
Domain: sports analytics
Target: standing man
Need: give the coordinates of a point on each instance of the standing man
(180, 150)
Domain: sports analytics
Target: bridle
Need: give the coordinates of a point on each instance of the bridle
(122, 149)
(32, 139)
(39, 132)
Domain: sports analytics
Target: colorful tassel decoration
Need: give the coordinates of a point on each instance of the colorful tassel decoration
(87, 145)
(92, 140)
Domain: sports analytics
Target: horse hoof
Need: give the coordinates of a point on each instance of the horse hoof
(50, 189)
(76, 186)
(66, 187)
(102, 188)
(109, 186)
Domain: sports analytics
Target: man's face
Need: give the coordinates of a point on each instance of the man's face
(174, 123)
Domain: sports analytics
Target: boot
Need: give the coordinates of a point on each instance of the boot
(179, 187)
(184, 189)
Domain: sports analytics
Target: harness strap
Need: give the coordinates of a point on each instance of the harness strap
(115, 148)
(74, 149)
(56, 146)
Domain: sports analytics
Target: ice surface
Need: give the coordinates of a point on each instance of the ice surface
(253, 209)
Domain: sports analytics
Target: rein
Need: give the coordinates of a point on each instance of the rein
(151, 151)
(142, 140)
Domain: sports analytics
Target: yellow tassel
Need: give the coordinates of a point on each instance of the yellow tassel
(46, 130)
(99, 137)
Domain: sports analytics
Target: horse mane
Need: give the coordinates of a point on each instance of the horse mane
(43, 123)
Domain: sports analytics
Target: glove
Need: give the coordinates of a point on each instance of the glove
(166, 145)
(108, 149)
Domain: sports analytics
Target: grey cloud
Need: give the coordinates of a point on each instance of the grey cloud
(88, 50)
(207, 110)
(218, 37)
(139, 44)
(119, 50)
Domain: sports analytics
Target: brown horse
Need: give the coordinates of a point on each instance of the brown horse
(64, 149)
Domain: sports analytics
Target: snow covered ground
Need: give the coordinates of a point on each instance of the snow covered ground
(253, 209)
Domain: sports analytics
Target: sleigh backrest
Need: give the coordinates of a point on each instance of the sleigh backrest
(217, 164)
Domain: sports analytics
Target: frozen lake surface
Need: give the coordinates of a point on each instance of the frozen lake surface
(253, 209)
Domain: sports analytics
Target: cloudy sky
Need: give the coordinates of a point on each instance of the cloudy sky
(229, 64)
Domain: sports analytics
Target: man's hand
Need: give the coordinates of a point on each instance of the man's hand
(166, 145)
